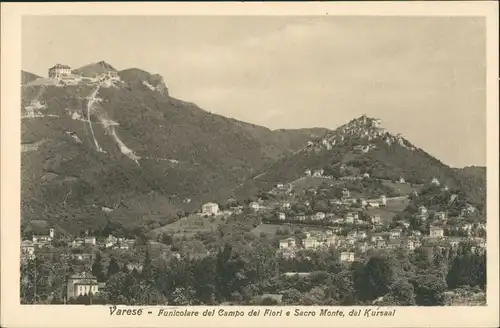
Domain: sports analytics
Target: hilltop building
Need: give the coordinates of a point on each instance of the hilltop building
(59, 71)
(27, 250)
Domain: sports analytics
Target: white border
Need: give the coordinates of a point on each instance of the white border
(13, 315)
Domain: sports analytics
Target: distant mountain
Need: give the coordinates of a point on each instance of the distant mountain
(125, 152)
(91, 70)
(363, 146)
(27, 77)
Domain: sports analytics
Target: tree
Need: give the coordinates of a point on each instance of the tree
(183, 296)
(166, 239)
(291, 296)
(341, 289)
(204, 275)
(467, 270)
(429, 289)
(402, 292)
(230, 275)
(97, 269)
(113, 268)
(377, 277)
(147, 267)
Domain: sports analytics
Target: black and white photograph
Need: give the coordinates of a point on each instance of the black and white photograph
(301, 161)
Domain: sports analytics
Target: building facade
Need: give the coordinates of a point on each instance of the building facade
(59, 71)
(210, 208)
(81, 284)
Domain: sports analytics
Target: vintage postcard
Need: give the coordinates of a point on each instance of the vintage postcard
(250, 164)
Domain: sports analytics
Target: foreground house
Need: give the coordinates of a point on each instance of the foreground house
(27, 250)
(81, 284)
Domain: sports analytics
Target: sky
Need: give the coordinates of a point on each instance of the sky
(424, 77)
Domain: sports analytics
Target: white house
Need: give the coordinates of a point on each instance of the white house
(285, 205)
(287, 243)
(210, 208)
(27, 249)
(402, 180)
(319, 216)
(395, 233)
(310, 242)
(318, 173)
(89, 240)
(347, 257)
(435, 181)
(375, 238)
(110, 241)
(383, 200)
(254, 206)
(281, 216)
(81, 284)
(331, 240)
(59, 71)
(307, 172)
(376, 219)
(373, 204)
(346, 193)
(436, 232)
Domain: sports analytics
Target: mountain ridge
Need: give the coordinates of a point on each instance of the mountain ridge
(126, 144)
(99, 144)
(362, 146)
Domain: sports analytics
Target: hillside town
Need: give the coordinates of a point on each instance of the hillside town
(352, 226)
